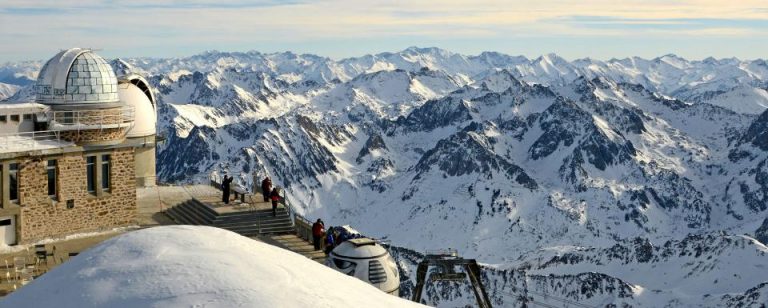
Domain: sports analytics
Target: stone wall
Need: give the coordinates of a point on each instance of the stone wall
(41, 217)
(94, 135)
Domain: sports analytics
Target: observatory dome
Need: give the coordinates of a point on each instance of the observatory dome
(144, 121)
(76, 76)
(368, 261)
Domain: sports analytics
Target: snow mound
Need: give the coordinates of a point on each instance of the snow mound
(193, 266)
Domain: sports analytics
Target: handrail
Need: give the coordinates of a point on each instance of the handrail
(30, 140)
(302, 225)
(87, 118)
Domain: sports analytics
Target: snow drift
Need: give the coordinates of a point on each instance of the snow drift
(186, 266)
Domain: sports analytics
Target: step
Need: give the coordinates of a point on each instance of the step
(181, 216)
(176, 217)
(266, 220)
(279, 221)
(203, 209)
(282, 230)
(192, 210)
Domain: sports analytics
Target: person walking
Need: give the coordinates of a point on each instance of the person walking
(275, 196)
(318, 230)
(226, 187)
(266, 188)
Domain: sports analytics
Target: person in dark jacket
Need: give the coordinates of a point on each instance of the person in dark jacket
(330, 244)
(266, 188)
(275, 196)
(318, 230)
(226, 187)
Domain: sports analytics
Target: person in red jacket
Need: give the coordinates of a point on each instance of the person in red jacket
(318, 230)
(275, 195)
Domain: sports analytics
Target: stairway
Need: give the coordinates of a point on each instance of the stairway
(255, 222)
(247, 223)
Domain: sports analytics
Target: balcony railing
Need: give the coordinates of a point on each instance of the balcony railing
(92, 119)
(36, 140)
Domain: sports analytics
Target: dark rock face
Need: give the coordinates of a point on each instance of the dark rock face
(761, 234)
(695, 247)
(602, 152)
(673, 192)
(561, 123)
(757, 199)
(467, 153)
(180, 151)
(374, 142)
(757, 134)
(434, 114)
(756, 296)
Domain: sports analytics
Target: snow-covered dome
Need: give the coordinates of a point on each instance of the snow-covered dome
(134, 91)
(76, 76)
(195, 266)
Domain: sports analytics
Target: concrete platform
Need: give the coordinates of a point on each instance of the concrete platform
(151, 203)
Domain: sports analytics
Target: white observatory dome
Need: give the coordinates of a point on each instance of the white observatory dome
(76, 76)
(368, 261)
(132, 94)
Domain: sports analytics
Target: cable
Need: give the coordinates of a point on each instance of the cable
(541, 304)
(546, 296)
(567, 301)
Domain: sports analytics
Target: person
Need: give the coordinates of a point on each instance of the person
(329, 242)
(275, 195)
(266, 188)
(225, 187)
(318, 230)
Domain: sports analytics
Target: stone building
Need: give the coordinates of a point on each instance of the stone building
(71, 161)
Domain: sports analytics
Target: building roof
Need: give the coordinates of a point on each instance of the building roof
(7, 108)
(76, 76)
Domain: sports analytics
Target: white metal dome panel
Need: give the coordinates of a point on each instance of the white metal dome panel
(145, 117)
(76, 76)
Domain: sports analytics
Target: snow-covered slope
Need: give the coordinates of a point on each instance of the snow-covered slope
(513, 161)
(186, 266)
(7, 90)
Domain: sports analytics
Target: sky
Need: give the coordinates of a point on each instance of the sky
(599, 29)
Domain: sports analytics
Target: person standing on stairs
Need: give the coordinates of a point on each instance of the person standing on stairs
(266, 188)
(226, 187)
(318, 230)
(275, 196)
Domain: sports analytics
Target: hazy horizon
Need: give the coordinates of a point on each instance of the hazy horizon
(598, 29)
(529, 57)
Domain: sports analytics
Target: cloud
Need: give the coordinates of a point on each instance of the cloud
(684, 25)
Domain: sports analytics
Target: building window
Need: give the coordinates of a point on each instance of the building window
(3, 118)
(90, 172)
(13, 182)
(27, 117)
(105, 172)
(15, 117)
(51, 168)
(68, 117)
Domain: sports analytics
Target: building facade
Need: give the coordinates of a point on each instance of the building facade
(68, 162)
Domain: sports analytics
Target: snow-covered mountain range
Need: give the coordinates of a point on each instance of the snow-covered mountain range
(630, 181)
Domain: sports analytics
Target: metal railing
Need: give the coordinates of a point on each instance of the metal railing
(91, 118)
(302, 225)
(32, 140)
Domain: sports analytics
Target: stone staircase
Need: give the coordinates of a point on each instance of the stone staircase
(252, 219)
(248, 223)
